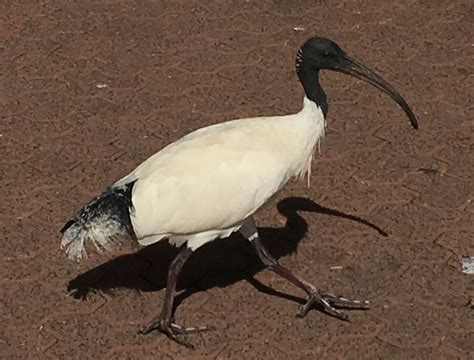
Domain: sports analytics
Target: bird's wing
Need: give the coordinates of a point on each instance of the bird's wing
(212, 178)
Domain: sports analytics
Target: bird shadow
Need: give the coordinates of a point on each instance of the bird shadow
(218, 264)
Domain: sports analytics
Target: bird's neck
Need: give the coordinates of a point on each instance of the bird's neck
(309, 78)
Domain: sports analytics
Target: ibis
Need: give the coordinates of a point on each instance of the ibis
(210, 183)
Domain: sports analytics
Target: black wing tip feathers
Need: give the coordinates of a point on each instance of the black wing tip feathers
(66, 226)
(116, 200)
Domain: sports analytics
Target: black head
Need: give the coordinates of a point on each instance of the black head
(320, 53)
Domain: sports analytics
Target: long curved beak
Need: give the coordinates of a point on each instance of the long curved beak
(355, 68)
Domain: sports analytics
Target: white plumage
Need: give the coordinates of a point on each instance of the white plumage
(206, 184)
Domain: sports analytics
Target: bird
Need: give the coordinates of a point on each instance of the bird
(211, 182)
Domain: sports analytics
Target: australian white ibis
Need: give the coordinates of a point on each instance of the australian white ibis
(209, 184)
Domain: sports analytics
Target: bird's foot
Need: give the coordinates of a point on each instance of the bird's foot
(330, 303)
(173, 331)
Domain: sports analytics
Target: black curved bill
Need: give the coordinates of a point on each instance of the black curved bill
(360, 71)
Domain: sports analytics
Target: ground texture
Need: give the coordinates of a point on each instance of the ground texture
(89, 89)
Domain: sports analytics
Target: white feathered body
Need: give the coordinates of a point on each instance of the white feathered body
(205, 185)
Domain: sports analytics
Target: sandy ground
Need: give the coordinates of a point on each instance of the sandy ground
(90, 89)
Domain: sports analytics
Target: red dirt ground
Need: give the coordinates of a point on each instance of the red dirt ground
(90, 89)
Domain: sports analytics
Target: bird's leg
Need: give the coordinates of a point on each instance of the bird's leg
(327, 301)
(164, 321)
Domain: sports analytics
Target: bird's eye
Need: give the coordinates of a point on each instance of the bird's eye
(326, 53)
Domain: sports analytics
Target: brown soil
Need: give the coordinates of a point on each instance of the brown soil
(89, 89)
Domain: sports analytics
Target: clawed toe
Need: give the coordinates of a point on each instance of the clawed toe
(192, 329)
(344, 303)
(148, 328)
(329, 304)
(174, 331)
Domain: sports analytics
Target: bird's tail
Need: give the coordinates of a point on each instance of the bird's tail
(103, 221)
